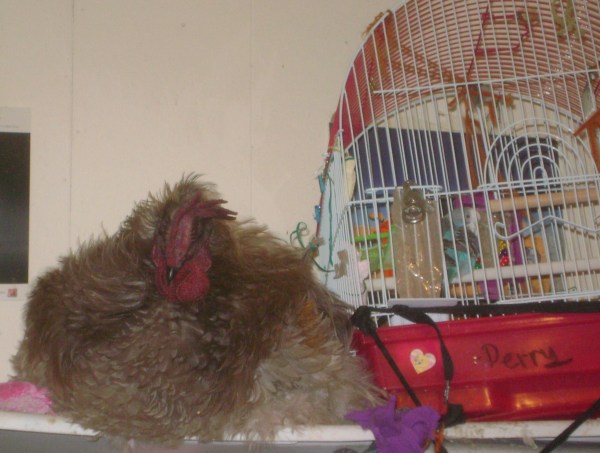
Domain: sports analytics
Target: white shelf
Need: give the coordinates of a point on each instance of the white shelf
(49, 434)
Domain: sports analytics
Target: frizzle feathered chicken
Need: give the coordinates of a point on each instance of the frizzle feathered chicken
(187, 322)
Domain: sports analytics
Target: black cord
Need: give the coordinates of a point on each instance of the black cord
(558, 440)
(420, 317)
(362, 319)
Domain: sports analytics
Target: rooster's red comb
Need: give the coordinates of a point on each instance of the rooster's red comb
(179, 234)
(208, 209)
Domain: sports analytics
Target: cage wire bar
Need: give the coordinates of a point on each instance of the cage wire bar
(463, 156)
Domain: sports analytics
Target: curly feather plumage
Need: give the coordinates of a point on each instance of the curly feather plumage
(263, 345)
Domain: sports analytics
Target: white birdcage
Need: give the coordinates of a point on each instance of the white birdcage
(463, 158)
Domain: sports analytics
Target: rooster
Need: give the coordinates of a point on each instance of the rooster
(189, 323)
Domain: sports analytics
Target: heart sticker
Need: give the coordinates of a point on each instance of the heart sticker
(420, 361)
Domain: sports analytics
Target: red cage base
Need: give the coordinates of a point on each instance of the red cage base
(518, 367)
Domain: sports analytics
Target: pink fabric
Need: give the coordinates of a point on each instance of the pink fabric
(20, 396)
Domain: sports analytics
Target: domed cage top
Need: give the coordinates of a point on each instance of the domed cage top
(463, 157)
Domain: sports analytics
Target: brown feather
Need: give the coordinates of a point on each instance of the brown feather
(268, 346)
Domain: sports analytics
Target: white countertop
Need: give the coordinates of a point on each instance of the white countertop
(42, 433)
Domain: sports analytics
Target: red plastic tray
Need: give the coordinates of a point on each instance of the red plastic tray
(518, 367)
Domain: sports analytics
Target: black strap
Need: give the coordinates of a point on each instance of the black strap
(500, 308)
(362, 319)
(558, 440)
(420, 317)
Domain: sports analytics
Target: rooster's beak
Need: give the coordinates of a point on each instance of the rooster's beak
(171, 271)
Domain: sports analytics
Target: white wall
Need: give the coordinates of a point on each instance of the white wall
(125, 94)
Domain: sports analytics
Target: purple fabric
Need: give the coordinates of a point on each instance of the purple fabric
(405, 431)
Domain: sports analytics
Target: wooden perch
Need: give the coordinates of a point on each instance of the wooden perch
(541, 200)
